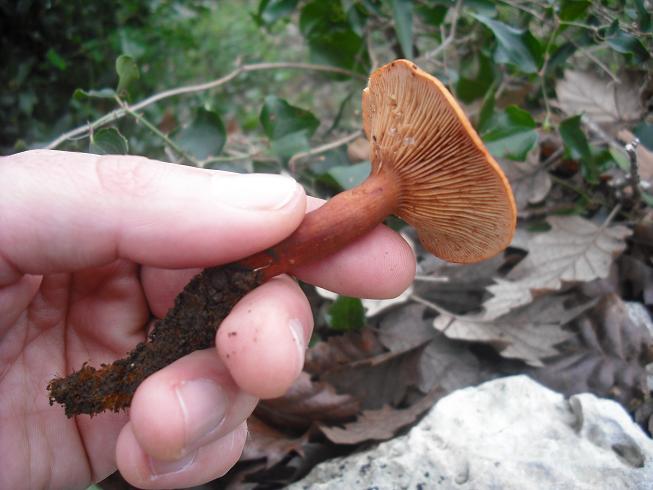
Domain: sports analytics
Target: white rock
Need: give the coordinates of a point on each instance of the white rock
(506, 434)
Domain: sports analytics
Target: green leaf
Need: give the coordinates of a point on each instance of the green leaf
(288, 127)
(574, 139)
(486, 8)
(402, 12)
(270, 11)
(627, 44)
(104, 93)
(487, 111)
(56, 59)
(330, 37)
(345, 177)
(643, 16)
(648, 198)
(127, 71)
(620, 158)
(280, 119)
(512, 134)
(516, 47)
(346, 314)
(108, 141)
(204, 137)
(471, 87)
(433, 16)
(573, 9)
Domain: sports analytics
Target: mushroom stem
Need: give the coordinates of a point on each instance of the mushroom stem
(326, 230)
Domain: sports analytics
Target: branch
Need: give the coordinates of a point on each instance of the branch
(449, 39)
(122, 111)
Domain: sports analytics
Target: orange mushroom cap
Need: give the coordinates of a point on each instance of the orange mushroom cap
(452, 190)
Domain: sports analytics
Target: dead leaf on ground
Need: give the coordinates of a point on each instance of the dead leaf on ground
(529, 180)
(342, 350)
(530, 333)
(265, 442)
(606, 356)
(574, 250)
(306, 402)
(601, 100)
(379, 425)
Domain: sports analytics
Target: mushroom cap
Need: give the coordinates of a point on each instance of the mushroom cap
(452, 190)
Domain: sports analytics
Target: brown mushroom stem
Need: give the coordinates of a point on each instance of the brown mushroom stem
(326, 230)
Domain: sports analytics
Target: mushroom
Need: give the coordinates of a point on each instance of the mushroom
(429, 167)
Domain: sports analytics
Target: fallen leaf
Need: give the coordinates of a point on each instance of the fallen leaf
(530, 333)
(379, 425)
(265, 442)
(529, 180)
(307, 401)
(606, 356)
(573, 250)
(602, 101)
(405, 328)
(341, 350)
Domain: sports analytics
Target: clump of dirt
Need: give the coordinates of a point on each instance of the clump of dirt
(189, 326)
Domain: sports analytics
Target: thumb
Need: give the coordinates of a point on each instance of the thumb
(62, 211)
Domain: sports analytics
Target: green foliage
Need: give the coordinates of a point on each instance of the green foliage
(108, 141)
(512, 134)
(288, 127)
(127, 71)
(204, 137)
(346, 314)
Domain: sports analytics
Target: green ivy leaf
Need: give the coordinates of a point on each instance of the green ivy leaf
(516, 47)
(433, 15)
(330, 37)
(346, 314)
(127, 71)
(470, 88)
(625, 43)
(204, 137)
(572, 9)
(644, 132)
(578, 148)
(344, 177)
(108, 141)
(402, 12)
(288, 127)
(512, 134)
(270, 11)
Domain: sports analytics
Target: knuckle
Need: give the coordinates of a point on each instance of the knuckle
(126, 176)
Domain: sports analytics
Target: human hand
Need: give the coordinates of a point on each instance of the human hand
(90, 249)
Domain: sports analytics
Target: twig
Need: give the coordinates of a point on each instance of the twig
(631, 150)
(122, 111)
(292, 163)
(421, 278)
(178, 149)
(449, 39)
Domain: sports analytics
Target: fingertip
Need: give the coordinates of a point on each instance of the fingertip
(263, 340)
(379, 265)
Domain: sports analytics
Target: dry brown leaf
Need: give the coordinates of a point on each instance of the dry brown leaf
(607, 356)
(573, 250)
(379, 425)
(342, 350)
(529, 180)
(306, 402)
(602, 101)
(530, 333)
(265, 442)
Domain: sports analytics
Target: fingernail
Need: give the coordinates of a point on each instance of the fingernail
(203, 405)
(256, 191)
(159, 467)
(297, 332)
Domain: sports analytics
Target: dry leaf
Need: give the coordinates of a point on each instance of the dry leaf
(602, 101)
(529, 180)
(379, 425)
(265, 442)
(574, 250)
(606, 357)
(306, 402)
(342, 350)
(530, 333)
